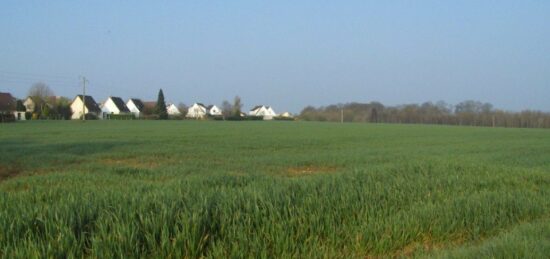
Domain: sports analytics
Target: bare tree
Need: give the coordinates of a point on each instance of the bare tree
(227, 109)
(40, 94)
(237, 106)
(471, 113)
(183, 109)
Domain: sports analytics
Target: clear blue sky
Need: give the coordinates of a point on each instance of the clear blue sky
(287, 54)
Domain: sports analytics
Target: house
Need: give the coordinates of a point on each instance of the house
(32, 101)
(30, 104)
(135, 106)
(263, 111)
(7, 108)
(113, 105)
(172, 109)
(149, 107)
(213, 110)
(90, 108)
(7, 103)
(286, 115)
(196, 111)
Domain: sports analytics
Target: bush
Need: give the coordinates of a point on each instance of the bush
(90, 116)
(120, 116)
(149, 117)
(279, 118)
(7, 117)
(254, 118)
(176, 117)
(28, 115)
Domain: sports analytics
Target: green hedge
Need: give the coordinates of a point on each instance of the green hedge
(7, 117)
(279, 118)
(119, 116)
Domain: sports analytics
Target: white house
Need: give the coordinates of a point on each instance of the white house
(29, 104)
(286, 115)
(113, 105)
(172, 109)
(135, 106)
(90, 108)
(263, 111)
(213, 110)
(197, 111)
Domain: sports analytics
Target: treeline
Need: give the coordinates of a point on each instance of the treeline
(467, 113)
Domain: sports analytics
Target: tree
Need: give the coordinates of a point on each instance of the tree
(227, 109)
(160, 109)
(63, 108)
(40, 93)
(19, 106)
(237, 106)
(183, 109)
(46, 112)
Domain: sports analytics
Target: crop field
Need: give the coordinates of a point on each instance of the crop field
(188, 189)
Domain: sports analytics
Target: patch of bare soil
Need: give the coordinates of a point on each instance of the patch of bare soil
(132, 162)
(427, 245)
(309, 170)
(9, 171)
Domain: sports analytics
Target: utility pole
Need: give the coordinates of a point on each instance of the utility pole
(84, 80)
(342, 114)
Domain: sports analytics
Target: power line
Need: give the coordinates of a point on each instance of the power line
(35, 75)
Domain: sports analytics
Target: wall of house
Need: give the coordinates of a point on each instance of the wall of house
(133, 109)
(20, 116)
(215, 111)
(109, 107)
(76, 108)
(173, 110)
(29, 105)
(196, 111)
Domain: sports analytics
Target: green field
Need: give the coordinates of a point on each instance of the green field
(272, 189)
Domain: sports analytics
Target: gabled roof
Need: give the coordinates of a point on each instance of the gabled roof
(200, 104)
(90, 103)
(7, 102)
(138, 103)
(256, 107)
(121, 106)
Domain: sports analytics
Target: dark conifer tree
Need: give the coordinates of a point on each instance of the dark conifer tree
(160, 109)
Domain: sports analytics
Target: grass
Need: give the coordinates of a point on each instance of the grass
(175, 189)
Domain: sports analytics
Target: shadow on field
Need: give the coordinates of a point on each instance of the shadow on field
(18, 157)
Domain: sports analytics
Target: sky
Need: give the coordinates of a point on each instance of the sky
(287, 54)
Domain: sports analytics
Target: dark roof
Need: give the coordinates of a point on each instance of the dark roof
(210, 107)
(90, 104)
(256, 107)
(150, 104)
(201, 105)
(7, 102)
(121, 106)
(138, 103)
